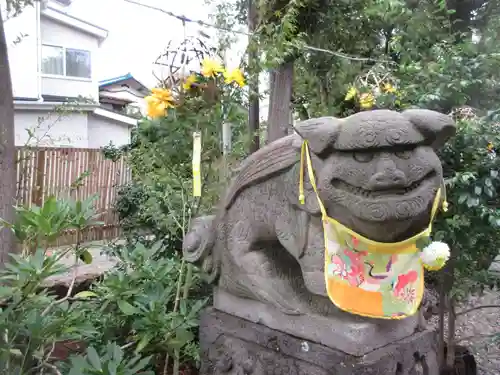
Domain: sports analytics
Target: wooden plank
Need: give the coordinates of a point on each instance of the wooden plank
(54, 155)
(26, 174)
(38, 186)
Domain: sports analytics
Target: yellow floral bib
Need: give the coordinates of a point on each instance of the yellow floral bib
(369, 278)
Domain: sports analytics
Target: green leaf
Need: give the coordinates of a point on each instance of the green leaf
(472, 202)
(5, 291)
(16, 352)
(112, 367)
(197, 307)
(86, 257)
(78, 364)
(175, 344)
(85, 294)
(183, 307)
(49, 207)
(117, 352)
(126, 308)
(494, 173)
(94, 359)
(183, 335)
(478, 190)
(143, 343)
(489, 192)
(141, 365)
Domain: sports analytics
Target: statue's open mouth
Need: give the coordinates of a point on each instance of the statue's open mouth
(411, 189)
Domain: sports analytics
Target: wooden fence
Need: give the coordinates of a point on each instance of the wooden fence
(43, 172)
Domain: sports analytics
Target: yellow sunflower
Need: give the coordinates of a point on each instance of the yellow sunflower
(159, 102)
(210, 68)
(236, 76)
(351, 94)
(389, 88)
(189, 82)
(366, 100)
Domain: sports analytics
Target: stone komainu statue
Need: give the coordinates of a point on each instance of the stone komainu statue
(377, 173)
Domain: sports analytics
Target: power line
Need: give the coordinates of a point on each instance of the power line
(185, 20)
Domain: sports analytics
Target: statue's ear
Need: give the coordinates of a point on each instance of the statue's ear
(321, 133)
(436, 127)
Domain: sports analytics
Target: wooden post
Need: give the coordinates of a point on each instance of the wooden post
(253, 79)
(38, 188)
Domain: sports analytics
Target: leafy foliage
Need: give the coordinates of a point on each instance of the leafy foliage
(472, 223)
(37, 227)
(111, 362)
(15, 7)
(430, 56)
(33, 320)
(132, 318)
(159, 201)
(135, 304)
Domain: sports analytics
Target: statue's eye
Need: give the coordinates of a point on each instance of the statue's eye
(363, 157)
(403, 154)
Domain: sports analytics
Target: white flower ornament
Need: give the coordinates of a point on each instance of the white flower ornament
(435, 255)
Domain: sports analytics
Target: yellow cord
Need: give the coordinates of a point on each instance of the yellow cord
(302, 198)
(445, 202)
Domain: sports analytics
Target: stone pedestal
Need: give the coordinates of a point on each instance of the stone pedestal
(232, 345)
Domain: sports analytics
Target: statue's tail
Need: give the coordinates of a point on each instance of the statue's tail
(199, 244)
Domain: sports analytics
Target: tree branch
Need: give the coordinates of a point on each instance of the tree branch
(477, 308)
(70, 289)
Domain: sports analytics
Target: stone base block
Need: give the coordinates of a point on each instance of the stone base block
(232, 345)
(348, 333)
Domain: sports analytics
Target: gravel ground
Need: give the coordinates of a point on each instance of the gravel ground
(475, 326)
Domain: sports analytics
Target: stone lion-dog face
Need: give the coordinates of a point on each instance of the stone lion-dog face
(379, 172)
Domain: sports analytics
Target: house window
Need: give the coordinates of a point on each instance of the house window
(67, 62)
(53, 60)
(77, 63)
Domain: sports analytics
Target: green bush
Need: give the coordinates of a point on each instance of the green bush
(142, 305)
(33, 320)
(130, 320)
(111, 362)
(471, 225)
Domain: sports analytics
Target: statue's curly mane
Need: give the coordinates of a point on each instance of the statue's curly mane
(264, 163)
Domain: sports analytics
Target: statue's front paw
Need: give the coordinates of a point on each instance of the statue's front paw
(315, 282)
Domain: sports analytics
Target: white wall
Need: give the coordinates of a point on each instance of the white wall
(51, 129)
(23, 55)
(57, 34)
(103, 130)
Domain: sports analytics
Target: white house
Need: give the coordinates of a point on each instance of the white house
(52, 57)
(124, 94)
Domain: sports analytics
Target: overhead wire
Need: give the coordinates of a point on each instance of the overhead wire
(185, 20)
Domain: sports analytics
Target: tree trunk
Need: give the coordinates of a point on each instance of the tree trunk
(253, 80)
(448, 285)
(450, 346)
(280, 101)
(442, 312)
(7, 150)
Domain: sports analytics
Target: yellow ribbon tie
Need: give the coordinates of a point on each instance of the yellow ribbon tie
(445, 202)
(301, 180)
(196, 164)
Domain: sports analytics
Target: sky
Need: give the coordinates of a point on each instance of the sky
(138, 35)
